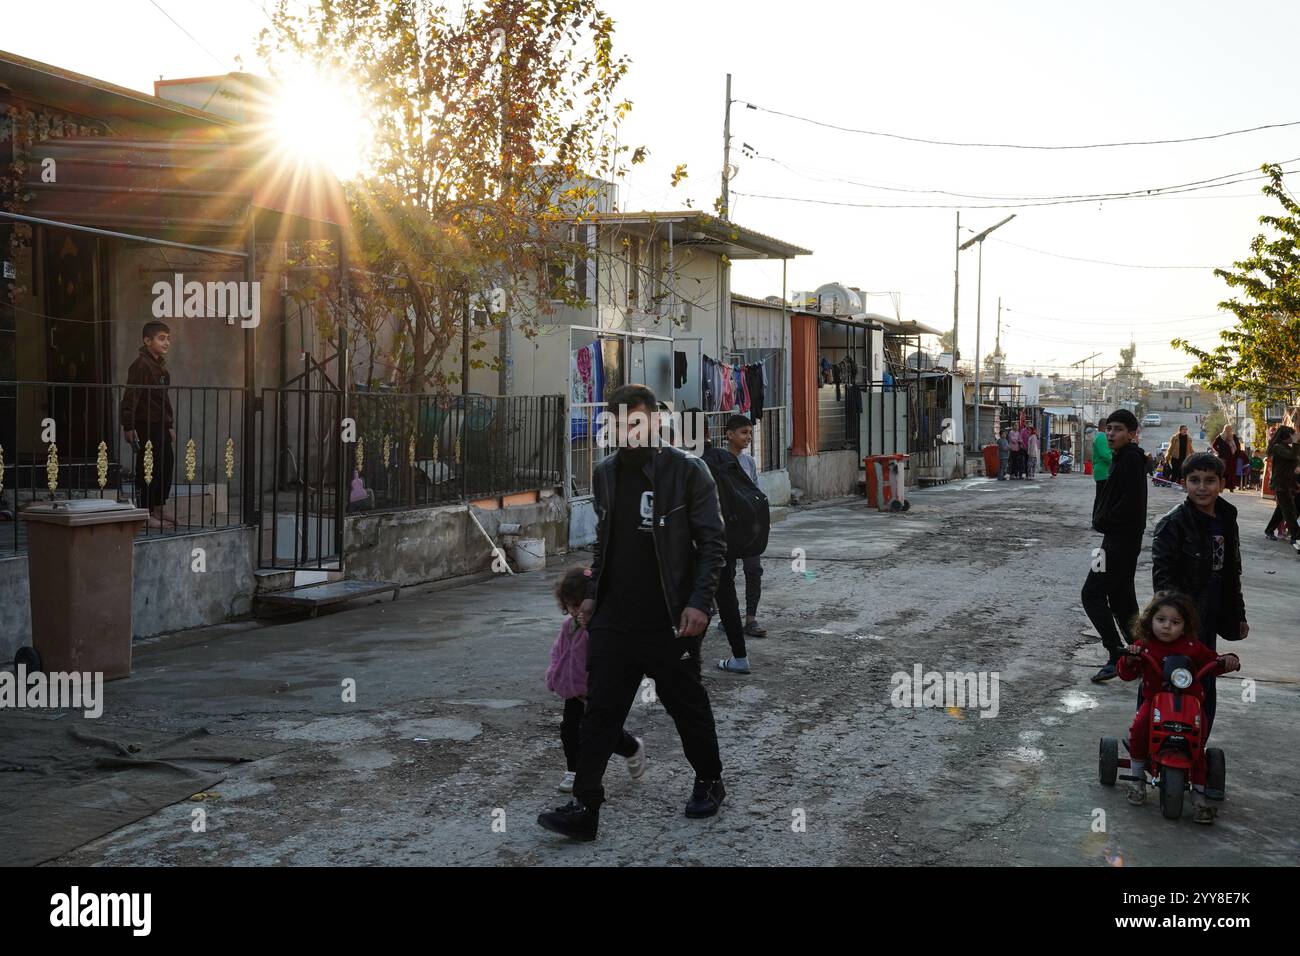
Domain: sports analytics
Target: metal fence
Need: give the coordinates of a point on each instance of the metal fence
(328, 455)
(768, 446)
(178, 450)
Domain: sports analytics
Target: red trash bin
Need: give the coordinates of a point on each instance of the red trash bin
(991, 460)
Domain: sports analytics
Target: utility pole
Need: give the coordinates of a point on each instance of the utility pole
(997, 348)
(979, 295)
(726, 154)
(956, 285)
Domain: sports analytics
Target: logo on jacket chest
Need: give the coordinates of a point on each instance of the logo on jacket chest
(647, 510)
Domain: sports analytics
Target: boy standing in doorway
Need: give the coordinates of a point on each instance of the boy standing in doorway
(147, 417)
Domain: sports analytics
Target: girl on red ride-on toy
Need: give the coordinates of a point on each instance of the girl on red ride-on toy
(1167, 628)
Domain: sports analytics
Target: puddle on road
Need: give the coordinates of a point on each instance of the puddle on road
(819, 630)
(1049, 721)
(1029, 755)
(1029, 736)
(1075, 701)
(865, 637)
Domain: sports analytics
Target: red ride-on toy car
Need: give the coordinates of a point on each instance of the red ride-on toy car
(1177, 742)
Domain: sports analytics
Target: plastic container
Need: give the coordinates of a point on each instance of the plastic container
(80, 571)
(991, 461)
(530, 554)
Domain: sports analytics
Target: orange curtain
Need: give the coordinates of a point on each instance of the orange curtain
(803, 384)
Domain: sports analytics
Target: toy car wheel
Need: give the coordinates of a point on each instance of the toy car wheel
(907, 505)
(1215, 773)
(1173, 781)
(1108, 760)
(895, 505)
(29, 658)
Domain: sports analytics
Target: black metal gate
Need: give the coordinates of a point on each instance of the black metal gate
(302, 489)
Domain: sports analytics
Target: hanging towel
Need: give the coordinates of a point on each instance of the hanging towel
(679, 369)
(754, 382)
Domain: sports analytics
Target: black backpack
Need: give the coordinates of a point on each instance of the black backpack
(745, 510)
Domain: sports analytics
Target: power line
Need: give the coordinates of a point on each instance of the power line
(942, 142)
(1144, 194)
(829, 177)
(1098, 262)
(220, 62)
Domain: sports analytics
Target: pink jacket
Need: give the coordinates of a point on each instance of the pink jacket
(567, 675)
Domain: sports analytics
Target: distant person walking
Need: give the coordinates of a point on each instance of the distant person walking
(1180, 449)
(1282, 453)
(1017, 455)
(1101, 458)
(1004, 456)
(1228, 447)
(1032, 451)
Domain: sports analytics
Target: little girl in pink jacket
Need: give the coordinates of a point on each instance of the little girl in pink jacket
(567, 676)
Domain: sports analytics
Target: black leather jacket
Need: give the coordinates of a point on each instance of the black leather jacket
(1181, 561)
(689, 538)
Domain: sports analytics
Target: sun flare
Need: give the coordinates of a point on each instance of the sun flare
(320, 119)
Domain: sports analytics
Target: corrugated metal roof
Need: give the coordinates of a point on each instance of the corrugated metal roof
(25, 77)
(716, 230)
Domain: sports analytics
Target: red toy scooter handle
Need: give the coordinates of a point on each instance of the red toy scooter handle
(1158, 671)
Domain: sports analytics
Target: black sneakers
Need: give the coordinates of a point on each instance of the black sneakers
(1106, 673)
(706, 798)
(574, 820)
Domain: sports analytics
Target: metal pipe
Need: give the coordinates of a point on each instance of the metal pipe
(123, 235)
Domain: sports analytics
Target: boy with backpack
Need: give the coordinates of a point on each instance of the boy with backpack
(747, 518)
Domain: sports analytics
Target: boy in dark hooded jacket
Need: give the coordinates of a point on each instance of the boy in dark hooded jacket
(1108, 594)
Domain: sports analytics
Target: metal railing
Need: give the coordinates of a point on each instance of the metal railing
(327, 455)
(768, 447)
(177, 450)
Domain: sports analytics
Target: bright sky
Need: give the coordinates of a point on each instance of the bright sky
(1012, 72)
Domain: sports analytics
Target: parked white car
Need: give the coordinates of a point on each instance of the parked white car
(1152, 419)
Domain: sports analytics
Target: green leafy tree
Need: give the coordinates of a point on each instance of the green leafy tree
(1260, 355)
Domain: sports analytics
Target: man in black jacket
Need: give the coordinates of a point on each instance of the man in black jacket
(660, 545)
(1121, 516)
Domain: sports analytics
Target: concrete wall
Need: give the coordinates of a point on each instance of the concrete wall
(832, 474)
(776, 485)
(410, 547)
(170, 596)
(167, 596)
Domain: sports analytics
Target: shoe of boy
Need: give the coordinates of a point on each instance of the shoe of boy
(1296, 545)
(735, 665)
(566, 785)
(706, 798)
(1107, 672)
(636, 763)
(573, 820)
(1270, 535)
(754, 629)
